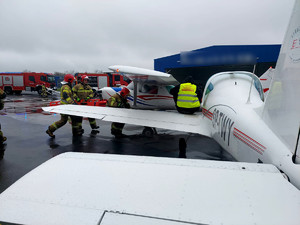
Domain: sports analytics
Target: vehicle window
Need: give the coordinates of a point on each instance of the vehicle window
(51, 79)
(43, 78)
(93, 81)
(31, 78)
(117, 77)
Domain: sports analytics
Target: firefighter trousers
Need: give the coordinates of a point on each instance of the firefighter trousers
(117, 128)
(92, 122)
(2, 138)
(63, 120)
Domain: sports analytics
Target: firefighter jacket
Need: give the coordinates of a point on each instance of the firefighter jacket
(117, 101)
(187, 96)
(2, 96)
(82, 92)
(66, 95)
(44, 91)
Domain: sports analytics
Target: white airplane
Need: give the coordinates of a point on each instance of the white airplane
(235, 113)
(149, 89)
(84, 188)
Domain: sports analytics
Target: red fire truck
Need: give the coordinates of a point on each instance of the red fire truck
(12, 82)
(100, 80)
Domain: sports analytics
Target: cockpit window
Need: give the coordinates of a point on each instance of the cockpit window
(209, 88)
(151, 89)
(169, 87)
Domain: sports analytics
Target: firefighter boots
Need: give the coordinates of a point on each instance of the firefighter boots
(50, 133)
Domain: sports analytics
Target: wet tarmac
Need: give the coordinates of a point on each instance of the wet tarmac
(24, 124)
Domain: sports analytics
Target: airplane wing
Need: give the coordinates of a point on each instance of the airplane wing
(171, 120)
(86, 188)
(140, 74)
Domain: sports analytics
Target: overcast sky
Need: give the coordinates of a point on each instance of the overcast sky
(89, 35)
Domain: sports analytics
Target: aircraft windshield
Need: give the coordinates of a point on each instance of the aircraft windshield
(256, 82)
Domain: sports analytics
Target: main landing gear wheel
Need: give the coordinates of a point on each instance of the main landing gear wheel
(149, 132)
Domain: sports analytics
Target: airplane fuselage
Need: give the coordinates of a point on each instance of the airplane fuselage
(148, 96)
(235, 115)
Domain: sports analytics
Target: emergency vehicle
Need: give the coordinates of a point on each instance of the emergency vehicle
(100, 80)
(16, 82)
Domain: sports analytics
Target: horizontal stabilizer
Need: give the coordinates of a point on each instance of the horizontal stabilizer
(171, 120)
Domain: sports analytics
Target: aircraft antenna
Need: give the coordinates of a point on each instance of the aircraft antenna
(248, 101)
(254, 68)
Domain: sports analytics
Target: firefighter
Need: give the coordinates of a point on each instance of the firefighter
(2, 96)
(187, 96)
(66, 95)
(44, 91)
(118, 100)
(82, 92)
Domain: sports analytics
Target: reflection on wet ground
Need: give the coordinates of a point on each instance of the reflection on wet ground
(28, 146)
(26, 103)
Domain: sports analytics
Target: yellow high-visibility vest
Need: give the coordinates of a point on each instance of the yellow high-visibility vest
(187, 97)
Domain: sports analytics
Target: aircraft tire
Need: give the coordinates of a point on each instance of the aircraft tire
(148, 132)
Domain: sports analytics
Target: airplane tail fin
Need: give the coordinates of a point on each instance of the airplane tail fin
(282, 108)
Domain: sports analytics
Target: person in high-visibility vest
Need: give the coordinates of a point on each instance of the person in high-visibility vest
(66, 95)
(187, 96)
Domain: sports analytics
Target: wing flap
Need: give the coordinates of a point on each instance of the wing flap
(171, 120)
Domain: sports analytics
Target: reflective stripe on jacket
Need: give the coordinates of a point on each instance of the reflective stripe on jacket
(187, 97)
(66, 95)
(82, 91)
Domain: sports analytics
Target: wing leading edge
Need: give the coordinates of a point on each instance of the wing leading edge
(141, 74)
(171, 120)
